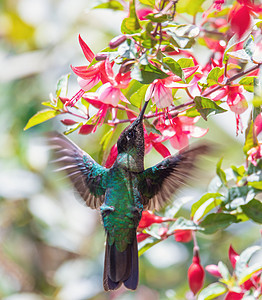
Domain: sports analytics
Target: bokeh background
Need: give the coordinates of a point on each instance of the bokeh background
(51, 246)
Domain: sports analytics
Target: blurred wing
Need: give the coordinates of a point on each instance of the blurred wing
(87, 176)
(160, 182)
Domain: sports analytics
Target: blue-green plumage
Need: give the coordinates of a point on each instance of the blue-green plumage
(122, 192)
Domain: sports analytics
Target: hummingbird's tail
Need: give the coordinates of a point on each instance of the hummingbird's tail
(121, 267)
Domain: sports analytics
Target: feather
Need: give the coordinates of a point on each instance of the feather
(87, 176)
(120, 267)
(160, 182)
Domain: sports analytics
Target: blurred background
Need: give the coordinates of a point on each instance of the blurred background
(51, 246)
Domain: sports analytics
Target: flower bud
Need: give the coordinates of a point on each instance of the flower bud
(213, 270)
(68, 122)
(148, 218)
(196, 274)
(183, 236)
(101, 56)
(116, 41)
(86, 129)
(142, 236)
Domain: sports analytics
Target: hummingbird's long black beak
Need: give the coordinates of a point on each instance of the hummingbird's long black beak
(142, 112)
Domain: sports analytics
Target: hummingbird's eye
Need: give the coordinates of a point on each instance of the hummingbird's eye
(131, 134)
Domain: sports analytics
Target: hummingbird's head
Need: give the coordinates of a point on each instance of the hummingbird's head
(130, 144)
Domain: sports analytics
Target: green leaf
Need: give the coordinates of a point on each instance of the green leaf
(138, 96)
(205, 106)
(174, 67)
(232, 43)
(212, 291)
(240, 54)
(115, 5)
(248, 272)
(248, 83)
(147, 74)
(127, 49)
(148, 2)
(151, 128)
(220, 173)
(214, 75)
(41, 117)
(256, 184)
(186, 62)
(157, 17)
(62, 85)
(190, 7)
(214, 222)
(244, 257)
(149, 242)
(106, 139)
(73, 128)
(182, 223)
(253, 209)
(187, 30)
(131, 24)
(251, 139)
(224, 271)
(202, 200)
(206, 207)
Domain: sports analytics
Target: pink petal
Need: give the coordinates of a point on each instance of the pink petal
(109, 94)
(179, 141)
(197, 132)
(258, 124)
(88, 53)
(213, 270)
(85, 72)
(87, 84)
(149, 92)
(162, 96)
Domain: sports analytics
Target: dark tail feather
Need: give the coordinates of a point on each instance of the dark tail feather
(121, 267)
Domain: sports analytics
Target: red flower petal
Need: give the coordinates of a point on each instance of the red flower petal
(86, 129)
(240, 19)
(233, 256)
(142, 236)
(183, 236)
(148, 218)
(88, 53)
(111, 157)
(234, 296)
(196, 275)
(161, 149)
(213, 270)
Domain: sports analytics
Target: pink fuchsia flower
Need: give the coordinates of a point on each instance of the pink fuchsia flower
(153, 140)
(235, 100)
(254, 154)
(143, 12)
(258, 124)
(180, 130)
(160, 90)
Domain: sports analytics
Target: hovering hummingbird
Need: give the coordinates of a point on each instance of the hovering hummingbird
(123, 192)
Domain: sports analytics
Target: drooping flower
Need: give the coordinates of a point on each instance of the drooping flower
(141, 236)
(180, 129)
(160, 90)
(155, 141)
(235, 100)
(233, 256)
(196, 274)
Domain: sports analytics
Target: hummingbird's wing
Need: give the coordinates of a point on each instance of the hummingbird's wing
(159, 182)
(87, 176)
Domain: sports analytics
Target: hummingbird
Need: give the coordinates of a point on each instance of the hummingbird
(122, 192)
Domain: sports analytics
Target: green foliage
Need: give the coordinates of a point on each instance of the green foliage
(205, 107)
